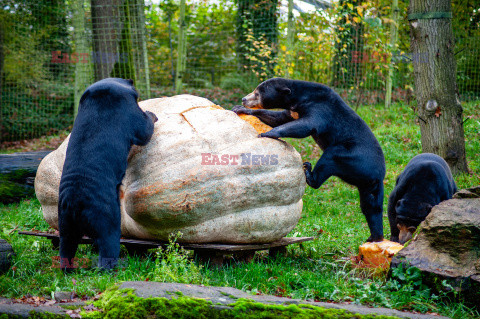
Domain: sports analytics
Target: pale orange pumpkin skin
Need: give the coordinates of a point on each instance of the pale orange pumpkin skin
(167, 189)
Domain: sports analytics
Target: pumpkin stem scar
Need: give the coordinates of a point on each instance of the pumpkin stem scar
(213, 106)
(181, 114)
(198, 107)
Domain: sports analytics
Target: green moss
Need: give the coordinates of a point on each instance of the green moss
(67, 307)
(229, 295)
(12, 186)
(35, 315)
(46, 315)
(125, 304)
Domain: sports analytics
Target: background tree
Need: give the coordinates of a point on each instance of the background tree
(105, 23)
(257, 36)
(349, 45)
(169, 7)
(54, 35)
(2, 57)
(438, 105)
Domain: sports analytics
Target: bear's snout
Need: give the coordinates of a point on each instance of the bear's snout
(252, 101)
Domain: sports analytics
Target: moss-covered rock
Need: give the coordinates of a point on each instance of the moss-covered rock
(446, 248)
(123, 303)
(17, 175)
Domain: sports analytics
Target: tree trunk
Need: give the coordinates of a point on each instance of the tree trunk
(83, 70)
(439, 108)
(106, 28)
(2, 41)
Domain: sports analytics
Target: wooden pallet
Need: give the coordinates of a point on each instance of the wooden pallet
(213, 253)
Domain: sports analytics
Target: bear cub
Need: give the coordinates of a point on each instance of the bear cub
(425, 182)
(350, 150)
(108, 123)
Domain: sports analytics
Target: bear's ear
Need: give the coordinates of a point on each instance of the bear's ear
(84, 96)
(284, 90)
(399, 204)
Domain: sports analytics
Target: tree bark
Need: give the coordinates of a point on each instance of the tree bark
(83, 70)
(106, 27)
(439, 108)
(2, 57)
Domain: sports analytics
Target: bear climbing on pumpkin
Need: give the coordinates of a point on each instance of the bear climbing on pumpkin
(108, 123)
(350, 150)
(425, 182)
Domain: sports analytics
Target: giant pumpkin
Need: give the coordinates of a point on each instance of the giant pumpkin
(205, 173)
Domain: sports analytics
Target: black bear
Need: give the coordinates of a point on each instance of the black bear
(350, 150)
(108, 123)
(425, 182)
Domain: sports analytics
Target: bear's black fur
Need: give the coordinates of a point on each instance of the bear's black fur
(109, 121)
(425, 182)
(350, 150)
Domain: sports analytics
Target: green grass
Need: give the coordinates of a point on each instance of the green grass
(319, 270)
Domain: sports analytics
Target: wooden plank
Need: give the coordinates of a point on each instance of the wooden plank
(197, 247)
(242, 247)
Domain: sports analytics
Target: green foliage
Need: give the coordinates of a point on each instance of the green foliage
(257, 36)
(173, 265)
(237, 81)
(312, 48)
(209, 54)
(226, 98)
(161, 29)
(349, 43)
(32, 30)
(35, 96)
(29, 110)
(466, 27)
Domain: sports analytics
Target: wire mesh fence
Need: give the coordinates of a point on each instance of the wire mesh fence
(50, 51)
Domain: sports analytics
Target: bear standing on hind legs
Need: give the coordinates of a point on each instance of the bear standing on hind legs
(108, 123)
(350, 150)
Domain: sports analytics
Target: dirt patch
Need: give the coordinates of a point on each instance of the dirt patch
(43, 143)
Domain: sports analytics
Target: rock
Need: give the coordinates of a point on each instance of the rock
(17, 174)
(6, 256)
(473, 192)
(447, 247)
(63, 295)
(226, 296)
(175, 183)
